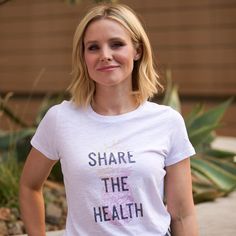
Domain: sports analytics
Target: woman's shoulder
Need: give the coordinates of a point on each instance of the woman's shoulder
(63, 108)
(65, 105)
(163, 112)
(159, 108)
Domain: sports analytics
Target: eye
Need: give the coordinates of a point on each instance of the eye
(93, 47)
(117, 44)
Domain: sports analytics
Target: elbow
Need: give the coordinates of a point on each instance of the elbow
(182, 213)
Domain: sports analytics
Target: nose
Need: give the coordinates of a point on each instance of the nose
(106, 54)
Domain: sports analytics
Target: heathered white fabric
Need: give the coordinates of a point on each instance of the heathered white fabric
(114, 166)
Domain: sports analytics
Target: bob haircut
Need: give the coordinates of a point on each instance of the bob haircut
(145, 82)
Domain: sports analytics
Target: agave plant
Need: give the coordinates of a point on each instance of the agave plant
(213, 171)
(18, 140)
(14, 148)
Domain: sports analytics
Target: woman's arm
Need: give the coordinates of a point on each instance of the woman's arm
(35, 172)
(178, 190)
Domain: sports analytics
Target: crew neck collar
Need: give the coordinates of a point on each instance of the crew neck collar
(114, 118)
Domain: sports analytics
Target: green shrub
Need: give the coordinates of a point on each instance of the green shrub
(213, 171)
(10, 171)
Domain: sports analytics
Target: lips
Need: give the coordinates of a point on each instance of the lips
(107, 68)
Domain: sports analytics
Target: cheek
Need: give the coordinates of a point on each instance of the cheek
(88, 64)
(89, 60)
(125, 58)
(128, 62)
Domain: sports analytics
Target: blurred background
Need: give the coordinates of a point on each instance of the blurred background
(194, 44)
(196, 40)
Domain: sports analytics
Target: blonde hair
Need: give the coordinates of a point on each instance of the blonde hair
(144, 77)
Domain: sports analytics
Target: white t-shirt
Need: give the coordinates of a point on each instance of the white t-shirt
(114, 166)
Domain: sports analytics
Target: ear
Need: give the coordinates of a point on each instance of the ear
(138, 53)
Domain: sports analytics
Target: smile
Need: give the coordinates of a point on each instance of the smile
(107, 68)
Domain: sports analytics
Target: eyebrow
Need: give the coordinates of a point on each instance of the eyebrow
(90, 42)
(111, 39)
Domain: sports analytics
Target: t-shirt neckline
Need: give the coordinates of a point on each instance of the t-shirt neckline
(114, 118)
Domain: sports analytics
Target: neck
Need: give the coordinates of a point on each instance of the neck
(115, 102)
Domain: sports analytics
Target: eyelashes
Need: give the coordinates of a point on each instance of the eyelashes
(113, 45)
(93, 47)
(117, 45)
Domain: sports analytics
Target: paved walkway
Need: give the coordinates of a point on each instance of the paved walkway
(225, 143)
(218, 218)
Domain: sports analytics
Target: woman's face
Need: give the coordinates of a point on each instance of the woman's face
(109, 53)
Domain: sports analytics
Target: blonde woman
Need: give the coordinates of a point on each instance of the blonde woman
(120, 154)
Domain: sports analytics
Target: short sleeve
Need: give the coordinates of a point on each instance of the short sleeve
(180, 146)
(44, 139)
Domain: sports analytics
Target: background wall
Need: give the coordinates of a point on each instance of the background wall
(195, 39)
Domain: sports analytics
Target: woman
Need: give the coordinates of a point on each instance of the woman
(119, 153)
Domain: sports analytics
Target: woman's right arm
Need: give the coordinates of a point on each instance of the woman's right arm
(35, 172)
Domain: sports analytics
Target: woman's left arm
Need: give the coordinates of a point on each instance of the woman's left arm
(179, 199)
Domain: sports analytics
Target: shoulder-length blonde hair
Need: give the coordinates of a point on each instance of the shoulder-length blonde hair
(144, 76)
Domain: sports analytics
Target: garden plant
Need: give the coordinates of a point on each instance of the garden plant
(213, 171)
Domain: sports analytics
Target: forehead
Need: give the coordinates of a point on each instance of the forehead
(105, 28)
